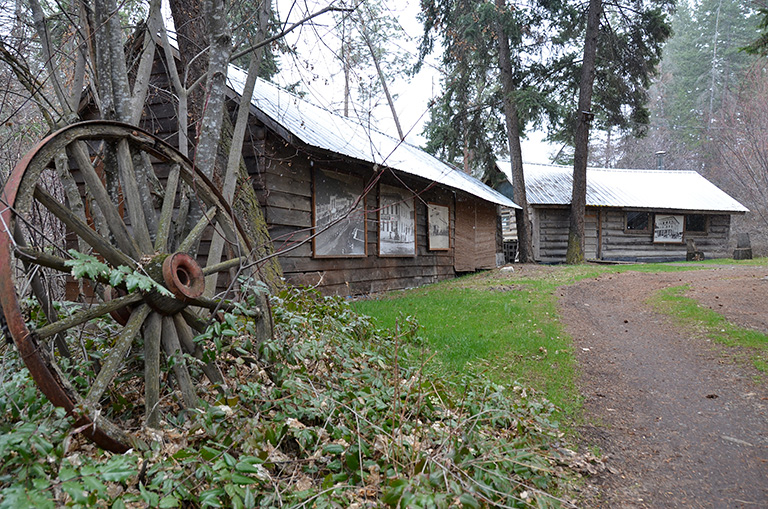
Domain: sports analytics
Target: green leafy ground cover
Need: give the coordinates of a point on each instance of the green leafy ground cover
(335, 413)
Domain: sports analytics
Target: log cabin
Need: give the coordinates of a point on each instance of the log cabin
(352, 210)
(631, 215)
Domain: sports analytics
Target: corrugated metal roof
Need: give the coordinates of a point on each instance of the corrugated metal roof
(644, 189)
(326, 130)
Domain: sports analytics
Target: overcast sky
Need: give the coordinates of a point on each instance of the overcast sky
(320, 72)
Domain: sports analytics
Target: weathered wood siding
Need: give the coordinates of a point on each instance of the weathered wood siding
(715, 243)
(591, 235)
(608, 238)
(283, 175)
(622, 246)
(551, 234)
(476, 234)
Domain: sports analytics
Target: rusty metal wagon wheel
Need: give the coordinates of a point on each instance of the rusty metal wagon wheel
(99, 343)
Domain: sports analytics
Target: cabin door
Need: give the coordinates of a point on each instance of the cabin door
(475, 235)
(591, 237)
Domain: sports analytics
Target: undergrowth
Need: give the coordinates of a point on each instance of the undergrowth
(332, 413)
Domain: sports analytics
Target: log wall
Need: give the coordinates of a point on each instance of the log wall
(551, 237)
(283, 175)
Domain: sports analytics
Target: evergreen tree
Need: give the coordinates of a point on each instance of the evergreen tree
(703, 67)
(705, 61)
(611, 73)
(759, 46)
(491, 60)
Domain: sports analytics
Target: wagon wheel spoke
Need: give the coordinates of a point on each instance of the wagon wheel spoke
(172, 349)
(148, 184)
(152, 338)
(224, 266)
(85, 232)
(212, 304)
(186, 338)
(115, 358)
(166, 212)
(81, 317)
(104, 201)
(197, 231)
(125, 339)
(40, 258)
(194, 321)
(131, 195)
(38, 290)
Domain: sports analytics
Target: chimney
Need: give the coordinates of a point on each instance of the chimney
(660, 159)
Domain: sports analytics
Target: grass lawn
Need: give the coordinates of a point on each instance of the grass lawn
(503, 324)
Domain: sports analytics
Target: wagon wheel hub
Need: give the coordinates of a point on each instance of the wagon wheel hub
(181, 275)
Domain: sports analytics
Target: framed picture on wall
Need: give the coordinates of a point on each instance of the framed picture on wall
(668, 228)
(397, 222)
(439, 225)
(340, 222)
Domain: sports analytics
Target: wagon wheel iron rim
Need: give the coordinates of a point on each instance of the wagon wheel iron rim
(132, 187)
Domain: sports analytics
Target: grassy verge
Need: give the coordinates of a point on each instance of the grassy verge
(486, 324)
(504, 324)
(688, 313)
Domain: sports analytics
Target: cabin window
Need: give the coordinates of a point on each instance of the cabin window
(638, 222)
(696, 223)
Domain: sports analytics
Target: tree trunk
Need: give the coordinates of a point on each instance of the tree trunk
(246, 207)
(575, 253)
(191, 37)
(382, 79)
(522, 216)
(216, 154)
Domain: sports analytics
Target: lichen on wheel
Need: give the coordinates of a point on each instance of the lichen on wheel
(115, 345)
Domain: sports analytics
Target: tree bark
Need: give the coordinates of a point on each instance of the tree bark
(246, 205)
(219, 146)
(575, 252)
(190, 35)
(522, 215)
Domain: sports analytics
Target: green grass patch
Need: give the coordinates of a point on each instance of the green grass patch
(510, 333)
(687, 311)
(505, 325)
(499, 324)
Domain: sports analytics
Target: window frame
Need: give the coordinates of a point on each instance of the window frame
(697, 233)
(632, 231)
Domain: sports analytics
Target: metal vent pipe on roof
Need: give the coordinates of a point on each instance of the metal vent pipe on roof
(660, 159)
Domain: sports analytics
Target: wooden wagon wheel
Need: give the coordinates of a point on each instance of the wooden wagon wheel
(123, 197)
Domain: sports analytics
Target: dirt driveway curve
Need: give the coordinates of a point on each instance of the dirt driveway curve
(680, 425)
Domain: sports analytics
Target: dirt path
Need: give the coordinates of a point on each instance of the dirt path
(680, 425)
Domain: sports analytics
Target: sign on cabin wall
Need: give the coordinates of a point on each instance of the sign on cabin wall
(439, 227)
(338, 215)
(397, 222)
(668, 228)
